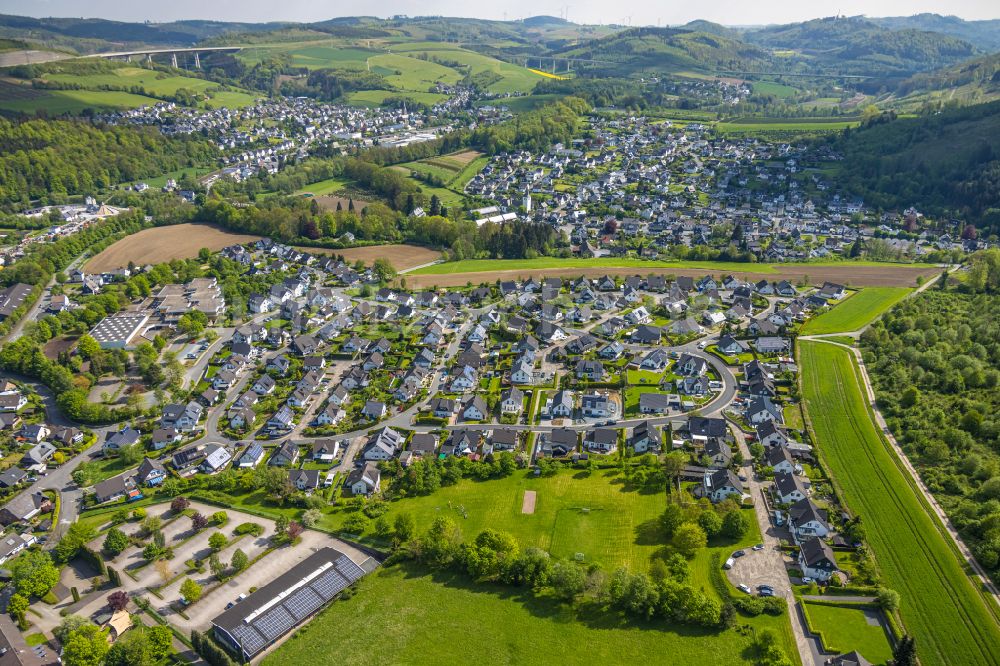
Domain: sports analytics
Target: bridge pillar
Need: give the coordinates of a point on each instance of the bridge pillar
(197, 61)
(173, 60)
(128, 58)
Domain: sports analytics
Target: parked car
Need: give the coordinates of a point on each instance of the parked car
(743, 587)
(729, 563)
(766, 593)
(759, 546)
(807, 580)
(739, 553)
(761, 588)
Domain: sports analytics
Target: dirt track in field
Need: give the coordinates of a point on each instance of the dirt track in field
(400, 256)
(851, 276)
(160, 244)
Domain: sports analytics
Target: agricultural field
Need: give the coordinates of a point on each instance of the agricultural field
(859, 274)
(58, 102)
(377, 97)
(857, 311)
(159, 244)
(845, 628)
(804, 125)
(513, 78)
(155, 83)
(941, 607)
(773, 88)
(402, 257)
(404, 614)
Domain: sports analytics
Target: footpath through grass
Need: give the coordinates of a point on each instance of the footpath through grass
(857, 311)
(951, 620)
(404, 615)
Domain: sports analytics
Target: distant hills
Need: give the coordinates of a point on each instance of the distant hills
(984, 35)
(667, 49)
(856, 45)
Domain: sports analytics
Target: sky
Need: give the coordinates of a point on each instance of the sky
(634, 12)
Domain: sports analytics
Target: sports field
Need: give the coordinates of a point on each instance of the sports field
(159, 244)
(857, 311)
(951, 620)
(405, 615)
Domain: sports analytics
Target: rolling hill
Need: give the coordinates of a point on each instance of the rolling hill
(665, 50)
(972, 81)
(982, 34)
(856, 45)
(944, 163)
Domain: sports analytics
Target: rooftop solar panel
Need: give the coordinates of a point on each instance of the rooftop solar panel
(249, 638)
(329, 584)
(274, 623)
(303, 603)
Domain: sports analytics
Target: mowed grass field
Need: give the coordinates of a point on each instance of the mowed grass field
(595, 515)
(845, 629)
(405, 615)
(159, 244)
(857, 311)
(951, 620)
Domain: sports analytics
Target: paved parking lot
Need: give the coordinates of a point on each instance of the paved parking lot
(190, 545)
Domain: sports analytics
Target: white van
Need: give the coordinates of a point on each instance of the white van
(729, 563)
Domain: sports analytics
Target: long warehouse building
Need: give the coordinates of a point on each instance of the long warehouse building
(272, 611)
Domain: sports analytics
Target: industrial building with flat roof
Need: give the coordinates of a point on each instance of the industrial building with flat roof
(272, 611)
(119, 330)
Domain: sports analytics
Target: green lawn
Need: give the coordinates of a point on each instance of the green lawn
(941, 606)
(857, 311)
(404, 615)
(845, 629)
(611, 533)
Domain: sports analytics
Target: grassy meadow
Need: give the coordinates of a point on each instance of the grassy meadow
(857, 311)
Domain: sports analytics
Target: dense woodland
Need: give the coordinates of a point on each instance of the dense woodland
(946, 163)
(935, 363)
(49, 160)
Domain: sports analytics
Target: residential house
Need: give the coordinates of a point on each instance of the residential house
(285, 455)
(722, 484)
(816, 559)
(251, 456)
(789, 488)
(306, 480)
(151, 472)
(512, 401)
(645, 438)
(806, 520)
(365, 480)
(557, 443)
(603, 440)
